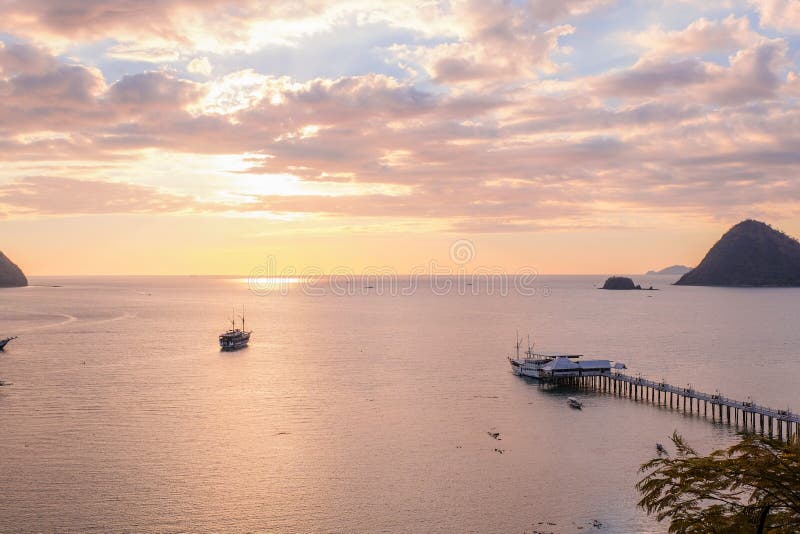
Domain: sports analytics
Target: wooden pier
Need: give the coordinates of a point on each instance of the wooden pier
(782, 424)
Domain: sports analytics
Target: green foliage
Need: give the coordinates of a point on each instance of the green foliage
(752, 486)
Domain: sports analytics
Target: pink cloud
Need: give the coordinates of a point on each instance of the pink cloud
(699, 37)
(21, 58)
(94, 19)
(153, 91)
(549, 10)
(753, 73)
(779, 14)
(497, 41)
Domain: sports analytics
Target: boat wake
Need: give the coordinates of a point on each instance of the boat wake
(67, 319)
(122, 317)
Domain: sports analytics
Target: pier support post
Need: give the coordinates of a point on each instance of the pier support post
(728, 409)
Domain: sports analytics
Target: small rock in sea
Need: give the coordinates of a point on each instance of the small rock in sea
(499, 450)
(495, 435)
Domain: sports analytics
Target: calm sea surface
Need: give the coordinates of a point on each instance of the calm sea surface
(357, 413)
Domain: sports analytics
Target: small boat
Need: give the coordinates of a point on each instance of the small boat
(660, 449)
(235, 338)
(4, 342)
(574, 403)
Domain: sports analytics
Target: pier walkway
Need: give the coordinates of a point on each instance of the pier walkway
(779, 423)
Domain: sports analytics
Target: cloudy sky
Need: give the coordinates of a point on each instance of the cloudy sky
(572, 136)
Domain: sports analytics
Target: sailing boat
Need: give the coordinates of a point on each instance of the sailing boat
(235, 338)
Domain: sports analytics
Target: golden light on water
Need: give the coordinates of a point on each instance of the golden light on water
(268, 280)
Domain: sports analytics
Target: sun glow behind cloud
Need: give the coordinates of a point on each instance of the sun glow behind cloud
(240, 90)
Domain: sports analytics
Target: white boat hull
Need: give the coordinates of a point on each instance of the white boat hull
(526, 367)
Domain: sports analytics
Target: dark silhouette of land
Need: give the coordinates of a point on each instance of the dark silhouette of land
(751, 254)
(672, 269)
(621, 283)
(10, 274)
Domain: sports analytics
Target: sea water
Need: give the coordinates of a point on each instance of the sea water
(359, 410)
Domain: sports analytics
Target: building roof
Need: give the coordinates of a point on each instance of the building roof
(594, 364)
(561, 364)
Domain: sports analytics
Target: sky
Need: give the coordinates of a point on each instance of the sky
(569, 136)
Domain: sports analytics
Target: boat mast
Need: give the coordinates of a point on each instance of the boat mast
(518, 341)
(233, 319)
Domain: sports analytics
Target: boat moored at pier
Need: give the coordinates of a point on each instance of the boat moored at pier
(551, 367)
(563, 367)
(531, 363)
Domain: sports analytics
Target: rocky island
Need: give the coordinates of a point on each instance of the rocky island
(10, 274)
(621, 283)
(751, 254)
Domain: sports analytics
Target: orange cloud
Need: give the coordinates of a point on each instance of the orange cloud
(43, 195)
